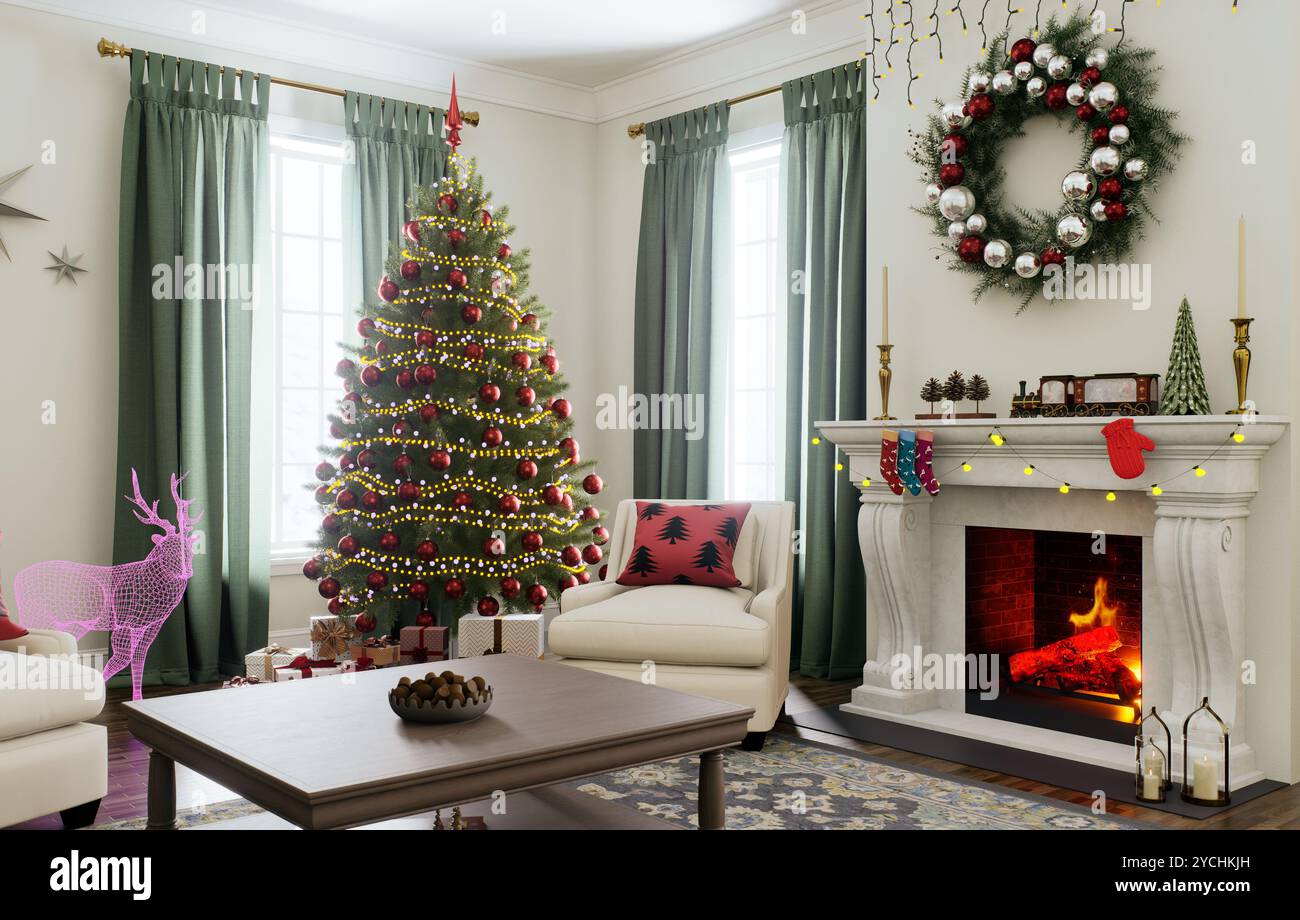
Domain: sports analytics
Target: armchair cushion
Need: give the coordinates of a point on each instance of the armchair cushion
(667, 624)
(54, 691)
(681, 544)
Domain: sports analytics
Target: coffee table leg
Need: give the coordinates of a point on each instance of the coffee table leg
(712, 807)
(162, 792)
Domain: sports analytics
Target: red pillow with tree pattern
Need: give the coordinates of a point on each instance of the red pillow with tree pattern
(685, 545)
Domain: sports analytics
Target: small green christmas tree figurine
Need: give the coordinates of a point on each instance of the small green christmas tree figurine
(977, 390)
(932, 392)
(1184, 386)
(954, 388)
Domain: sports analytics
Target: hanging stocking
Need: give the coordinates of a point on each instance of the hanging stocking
(1124, 446)
(889, 460)
(907, 461)
(925, 461)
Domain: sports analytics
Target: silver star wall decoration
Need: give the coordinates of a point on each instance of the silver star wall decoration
(65, 266)
(9, 210)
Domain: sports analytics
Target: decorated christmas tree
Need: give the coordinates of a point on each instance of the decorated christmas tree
(455, 484)
(932, 392)
(1184, 386)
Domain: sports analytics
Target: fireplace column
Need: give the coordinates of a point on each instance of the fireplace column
(894, 533)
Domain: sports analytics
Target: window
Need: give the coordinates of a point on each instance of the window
(307, 267)
(753, 421)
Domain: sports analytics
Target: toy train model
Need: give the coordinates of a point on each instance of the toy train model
(1098, 395)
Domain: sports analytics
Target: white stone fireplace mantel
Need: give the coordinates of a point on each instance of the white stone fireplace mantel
(1194, 556)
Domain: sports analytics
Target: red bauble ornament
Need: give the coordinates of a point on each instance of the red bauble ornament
(509, 504)
(425, 374)
(552, 495)
(425, 339)
(426, 551)
(1023, 50)
(336, 605)
(401, 428)
(418, 590)
(457, 278)
(562, 408)
(529, 319)
(366, 326)
(591, 513)
(521, 360)
(488, 607)
(503, 251)
(550, 362)
(371, 375)
(345, 368)
(426, 315)
(367, 459)
(411, 270)
(531, 541)
(312, 568)
(389, 541)
(1111, 189)
(328, 587)
(439, 459)
(953, 147)
(599, 535)
(1100, 136)
(494, 546)
(569, 555)
(591, 554)
(471, 314)
(1089, 76)
(492, 436)
(485, 218)
(537, 595)
(567, 582)
(1052, 256)
(402, 463)
(1118, 115)
(381, 347)
(592, 484)
(1055, 97)
(337, 432)
(448, 204)
(388, 289)
(324, 471)
(411, 230)
(405, 379)
(347, 462)
(454, 588)
(376, 581)
(331, 523)
(604, 570)
(428, 412)
(971, 249)
(349, 546)
(569, 446)
(424, 619)
(408, 492)
(1085, 112)
(370, 500)
(1116, 211)
(510, 587)
(474, 351)
(489, 393)
(366, 622)
(526, 469)
(951, 174)
(323, 495)
(526, 396)
(462, 500)
(455, 236)
(583, 577)
(567, 501)
(981, 106)
(347, 500)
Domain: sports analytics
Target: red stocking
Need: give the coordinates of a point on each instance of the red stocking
(889, 460)
(924, 461)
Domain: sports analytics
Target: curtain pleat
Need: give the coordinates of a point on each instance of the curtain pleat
(824, 174)
(195, 197)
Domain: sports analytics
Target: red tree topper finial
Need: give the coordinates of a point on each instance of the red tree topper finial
(453, 119)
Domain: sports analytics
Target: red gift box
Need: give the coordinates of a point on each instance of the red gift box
(424, 643)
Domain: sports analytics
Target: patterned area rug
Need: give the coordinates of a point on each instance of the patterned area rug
(797, 784)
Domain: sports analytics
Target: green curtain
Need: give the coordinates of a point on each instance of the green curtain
(392, 147)
(682, 204)
(195, 200)
(824, 174)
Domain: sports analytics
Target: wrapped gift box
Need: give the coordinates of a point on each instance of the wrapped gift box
(263, 662)
(331, 635)
(381, 650)
(303, 666)
(424, 643)
(521, 634)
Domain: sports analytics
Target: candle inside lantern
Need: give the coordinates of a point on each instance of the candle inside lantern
(1205, 778)
(1151, 784)
(1153, 760)
(884, 305)
(1241, 267)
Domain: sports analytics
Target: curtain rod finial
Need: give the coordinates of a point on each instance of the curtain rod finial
(107, 48)
(636, 130)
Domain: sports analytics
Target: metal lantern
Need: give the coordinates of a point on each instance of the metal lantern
(1201, 778)
(1154, 775)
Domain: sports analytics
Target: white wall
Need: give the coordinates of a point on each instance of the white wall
(60, 342)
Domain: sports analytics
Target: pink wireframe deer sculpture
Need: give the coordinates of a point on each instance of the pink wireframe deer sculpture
(132, 600)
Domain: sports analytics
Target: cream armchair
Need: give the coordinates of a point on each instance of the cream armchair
(728, 643)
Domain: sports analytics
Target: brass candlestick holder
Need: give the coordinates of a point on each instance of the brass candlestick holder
(1241, 361)
(885, 376)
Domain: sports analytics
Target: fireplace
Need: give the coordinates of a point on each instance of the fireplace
(1062, 613)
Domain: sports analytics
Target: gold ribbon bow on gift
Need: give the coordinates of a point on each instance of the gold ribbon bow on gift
(331, 637)
(276, 650)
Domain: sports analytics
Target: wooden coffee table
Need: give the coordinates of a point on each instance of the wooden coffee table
(328, 752)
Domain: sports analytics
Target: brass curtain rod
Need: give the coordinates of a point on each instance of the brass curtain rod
(107, 48)
(638, 129)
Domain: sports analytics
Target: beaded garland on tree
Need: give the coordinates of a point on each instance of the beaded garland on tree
(1128, 145)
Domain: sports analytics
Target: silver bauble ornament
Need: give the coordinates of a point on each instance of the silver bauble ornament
(997, 253)
(1028, 264)
(1042, 54)
(1073, 230)
(932, 193)
(1076, 94)
(1004, 82)
(1135, 170)
(977, 224)
(1024, 70)
(1077, 186)
(1119, 135)
(1103, 96)
(1036, 87)
(957, 203)
(1104, 161)
(1059, 67)
(979, 82)
(957, 231)
(952, 114)
(1098, 57)
(1098, 211)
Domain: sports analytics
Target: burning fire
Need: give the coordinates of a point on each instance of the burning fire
(1101, 614)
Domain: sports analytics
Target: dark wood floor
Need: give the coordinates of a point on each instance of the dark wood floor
(128, 769)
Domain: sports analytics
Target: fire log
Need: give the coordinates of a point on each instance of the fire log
(1063, 654)
(1104, 673)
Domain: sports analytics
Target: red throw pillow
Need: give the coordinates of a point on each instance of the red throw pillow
(684, 545)
(8, 628)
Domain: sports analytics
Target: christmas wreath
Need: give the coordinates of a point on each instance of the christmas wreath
(1128, 143)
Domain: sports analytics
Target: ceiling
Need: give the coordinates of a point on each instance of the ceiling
(583, 42)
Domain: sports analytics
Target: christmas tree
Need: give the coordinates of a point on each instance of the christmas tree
(1184, 387)
(455, 483)
(932, 392)
(977, 390)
